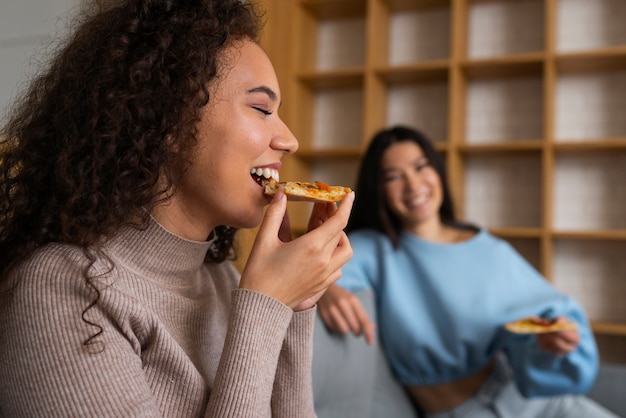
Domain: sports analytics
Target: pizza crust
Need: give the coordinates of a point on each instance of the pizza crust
(308, 192)
(533, 325)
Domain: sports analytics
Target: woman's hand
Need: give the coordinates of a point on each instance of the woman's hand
(342, 312)
(559, 343)
(297, 272)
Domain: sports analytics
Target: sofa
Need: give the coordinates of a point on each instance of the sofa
(353, 380)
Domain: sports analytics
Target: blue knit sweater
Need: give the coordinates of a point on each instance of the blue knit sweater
(441, 310)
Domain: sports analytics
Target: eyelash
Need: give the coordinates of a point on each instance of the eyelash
(264, 111)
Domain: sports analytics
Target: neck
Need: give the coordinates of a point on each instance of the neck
(175, 219)
(435, 231)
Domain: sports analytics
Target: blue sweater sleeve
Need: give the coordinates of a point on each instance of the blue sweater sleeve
(538, 373)
(362, 270)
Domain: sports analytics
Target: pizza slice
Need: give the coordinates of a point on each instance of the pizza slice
(304, 191)
(536, 325)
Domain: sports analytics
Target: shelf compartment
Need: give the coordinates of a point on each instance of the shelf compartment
(584, 24)
(529, 248)
(337, 118)
(590, 105)
(420, 105)
(336, 172)
(504, 109)
(505, 28)
(593, 273)
(340, 43)
(503, 190)
(419, 34)
(590, 192)
(331, 35)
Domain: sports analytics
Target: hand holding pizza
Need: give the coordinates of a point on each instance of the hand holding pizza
(559, 343)
(298, 271)
(558, 336)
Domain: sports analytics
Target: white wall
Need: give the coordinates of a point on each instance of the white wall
(26, 28)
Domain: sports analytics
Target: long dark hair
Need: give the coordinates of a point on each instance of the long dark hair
(86, 148)
(370, 206)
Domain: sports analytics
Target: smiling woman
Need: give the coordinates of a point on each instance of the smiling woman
(125, 174)
(445, 290)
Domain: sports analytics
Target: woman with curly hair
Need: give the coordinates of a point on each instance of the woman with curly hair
(125, 172)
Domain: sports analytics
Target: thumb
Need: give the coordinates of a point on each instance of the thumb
(274, 215)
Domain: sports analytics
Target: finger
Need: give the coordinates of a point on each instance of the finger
(338, 221)
(334, 320)
(274, 216)
(320, 213)
(370, 333)
(284, 232)
(348, 308)
(341, 253)
(367, 326)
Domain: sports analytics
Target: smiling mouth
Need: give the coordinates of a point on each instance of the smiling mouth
(263, 175)
(417, 200)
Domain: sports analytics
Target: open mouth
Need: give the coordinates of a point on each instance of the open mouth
(263, 175)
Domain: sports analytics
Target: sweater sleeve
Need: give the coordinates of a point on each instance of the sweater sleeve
(293, 390)
(536, 372)
(48, 367)
(247, 369)
(361, 271)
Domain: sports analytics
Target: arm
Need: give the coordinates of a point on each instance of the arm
(539, 372)
(293, 391)
(339, 308)
(555, 363)
(342, 312)
(247, 368)
(135, 367)
(46, 369)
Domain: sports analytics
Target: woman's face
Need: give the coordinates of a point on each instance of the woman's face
(239, 131)
(412, 186)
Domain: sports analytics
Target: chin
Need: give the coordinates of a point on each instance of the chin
(251, 221)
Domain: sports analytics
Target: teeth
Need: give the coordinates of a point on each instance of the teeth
(265, 172)
(418, 200)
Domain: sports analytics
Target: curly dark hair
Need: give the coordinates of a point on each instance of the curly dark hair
(87, 147)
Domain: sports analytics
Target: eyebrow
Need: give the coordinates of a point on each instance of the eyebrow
(264, 89)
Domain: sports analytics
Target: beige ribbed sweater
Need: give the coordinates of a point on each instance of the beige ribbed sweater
(178, 338)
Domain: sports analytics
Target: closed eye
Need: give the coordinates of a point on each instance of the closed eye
(264, 111)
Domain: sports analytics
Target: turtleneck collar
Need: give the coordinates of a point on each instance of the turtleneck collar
(157, 252)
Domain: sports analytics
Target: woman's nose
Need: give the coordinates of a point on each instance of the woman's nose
(413, 180)
(285, 140)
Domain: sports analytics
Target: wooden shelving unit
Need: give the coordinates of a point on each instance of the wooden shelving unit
(525, 99)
